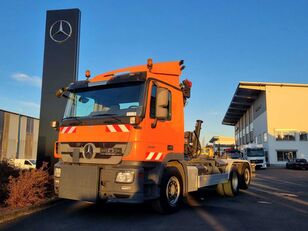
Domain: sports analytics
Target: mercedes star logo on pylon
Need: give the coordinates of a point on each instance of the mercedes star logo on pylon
(60, 31)
(88, 151)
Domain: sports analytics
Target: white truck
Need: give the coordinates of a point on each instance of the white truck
(255, 154)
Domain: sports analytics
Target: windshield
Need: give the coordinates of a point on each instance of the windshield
(234, 155)
(116, 100)
(255, 152)
(33, 162)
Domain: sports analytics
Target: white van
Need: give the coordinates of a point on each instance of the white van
(23, 163)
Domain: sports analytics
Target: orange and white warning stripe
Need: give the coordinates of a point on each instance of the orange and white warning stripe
(118, 128)
(154, 156)
(68, 130)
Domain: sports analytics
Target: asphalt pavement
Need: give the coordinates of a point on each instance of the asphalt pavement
(276, 200)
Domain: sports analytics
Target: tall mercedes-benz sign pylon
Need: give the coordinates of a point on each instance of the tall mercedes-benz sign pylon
(60, 68)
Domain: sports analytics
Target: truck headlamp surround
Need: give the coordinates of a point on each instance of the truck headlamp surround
(57, 172)
(125, 176)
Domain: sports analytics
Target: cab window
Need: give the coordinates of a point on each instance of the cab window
(153, 101)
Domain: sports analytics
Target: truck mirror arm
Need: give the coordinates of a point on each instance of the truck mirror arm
(153, 125)
(61, 92)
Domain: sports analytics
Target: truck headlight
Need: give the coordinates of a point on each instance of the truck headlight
(57, 172)
(125, 177)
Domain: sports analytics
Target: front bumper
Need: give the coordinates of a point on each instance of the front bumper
(91, 183)
(261, 165)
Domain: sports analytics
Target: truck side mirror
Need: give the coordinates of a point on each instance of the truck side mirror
(162, 103)
(54, 124)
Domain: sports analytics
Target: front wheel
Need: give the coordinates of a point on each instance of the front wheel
(171, 192)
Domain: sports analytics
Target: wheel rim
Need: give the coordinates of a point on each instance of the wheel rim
(247, 176)
(234, 182)
(173, 190)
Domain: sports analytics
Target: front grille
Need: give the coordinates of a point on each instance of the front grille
(256, 161)
(99, 150)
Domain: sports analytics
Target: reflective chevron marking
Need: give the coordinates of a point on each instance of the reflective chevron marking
(68, 130)
(118, 128)
(154, 156)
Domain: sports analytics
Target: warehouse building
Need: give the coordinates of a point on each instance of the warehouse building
(274, 115)
(18, 136)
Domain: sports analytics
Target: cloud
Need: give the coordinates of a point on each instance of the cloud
(30, 80)
(30, 104)
(29, 108)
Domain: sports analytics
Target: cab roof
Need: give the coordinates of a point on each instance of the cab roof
(165, 71)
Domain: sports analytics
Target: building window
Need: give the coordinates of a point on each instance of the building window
(286, 155)
(259, 139)
(237, 128)
(264, 137)
(285, 135)
(251, 137)
(251, 127)
(30, 123)
(266, 156)
(303, 136)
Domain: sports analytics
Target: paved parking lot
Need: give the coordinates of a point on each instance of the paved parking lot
(276, 200)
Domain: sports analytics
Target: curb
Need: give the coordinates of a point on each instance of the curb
(19, 212)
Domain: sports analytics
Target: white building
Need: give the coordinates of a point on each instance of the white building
(272, 114)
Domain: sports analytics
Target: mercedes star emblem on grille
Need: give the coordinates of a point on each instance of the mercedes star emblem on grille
(88, 151)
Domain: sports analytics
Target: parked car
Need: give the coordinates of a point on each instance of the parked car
(23, 163)
(297, 164)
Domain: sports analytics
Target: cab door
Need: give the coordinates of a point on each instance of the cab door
(163, 136)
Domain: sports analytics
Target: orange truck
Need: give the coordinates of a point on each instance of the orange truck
(122, 139)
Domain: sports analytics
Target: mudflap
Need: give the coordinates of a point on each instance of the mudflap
(79, 182)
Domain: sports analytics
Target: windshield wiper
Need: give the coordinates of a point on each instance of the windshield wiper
(112, 115)
(106, 114)
(73, 118)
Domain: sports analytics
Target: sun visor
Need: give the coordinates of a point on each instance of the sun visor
(115, 79)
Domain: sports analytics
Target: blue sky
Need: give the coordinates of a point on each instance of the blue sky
(222, 43)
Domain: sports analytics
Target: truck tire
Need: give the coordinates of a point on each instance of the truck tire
(101, 202)
(171, 192)
(245, 178)
(220, 190)
(231, 187)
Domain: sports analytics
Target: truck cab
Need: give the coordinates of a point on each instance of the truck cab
(115, 126)
(122, 140)
(255, 155)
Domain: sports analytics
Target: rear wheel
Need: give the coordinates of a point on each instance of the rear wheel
(171, 192)
(245, 178)
(230, 188)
